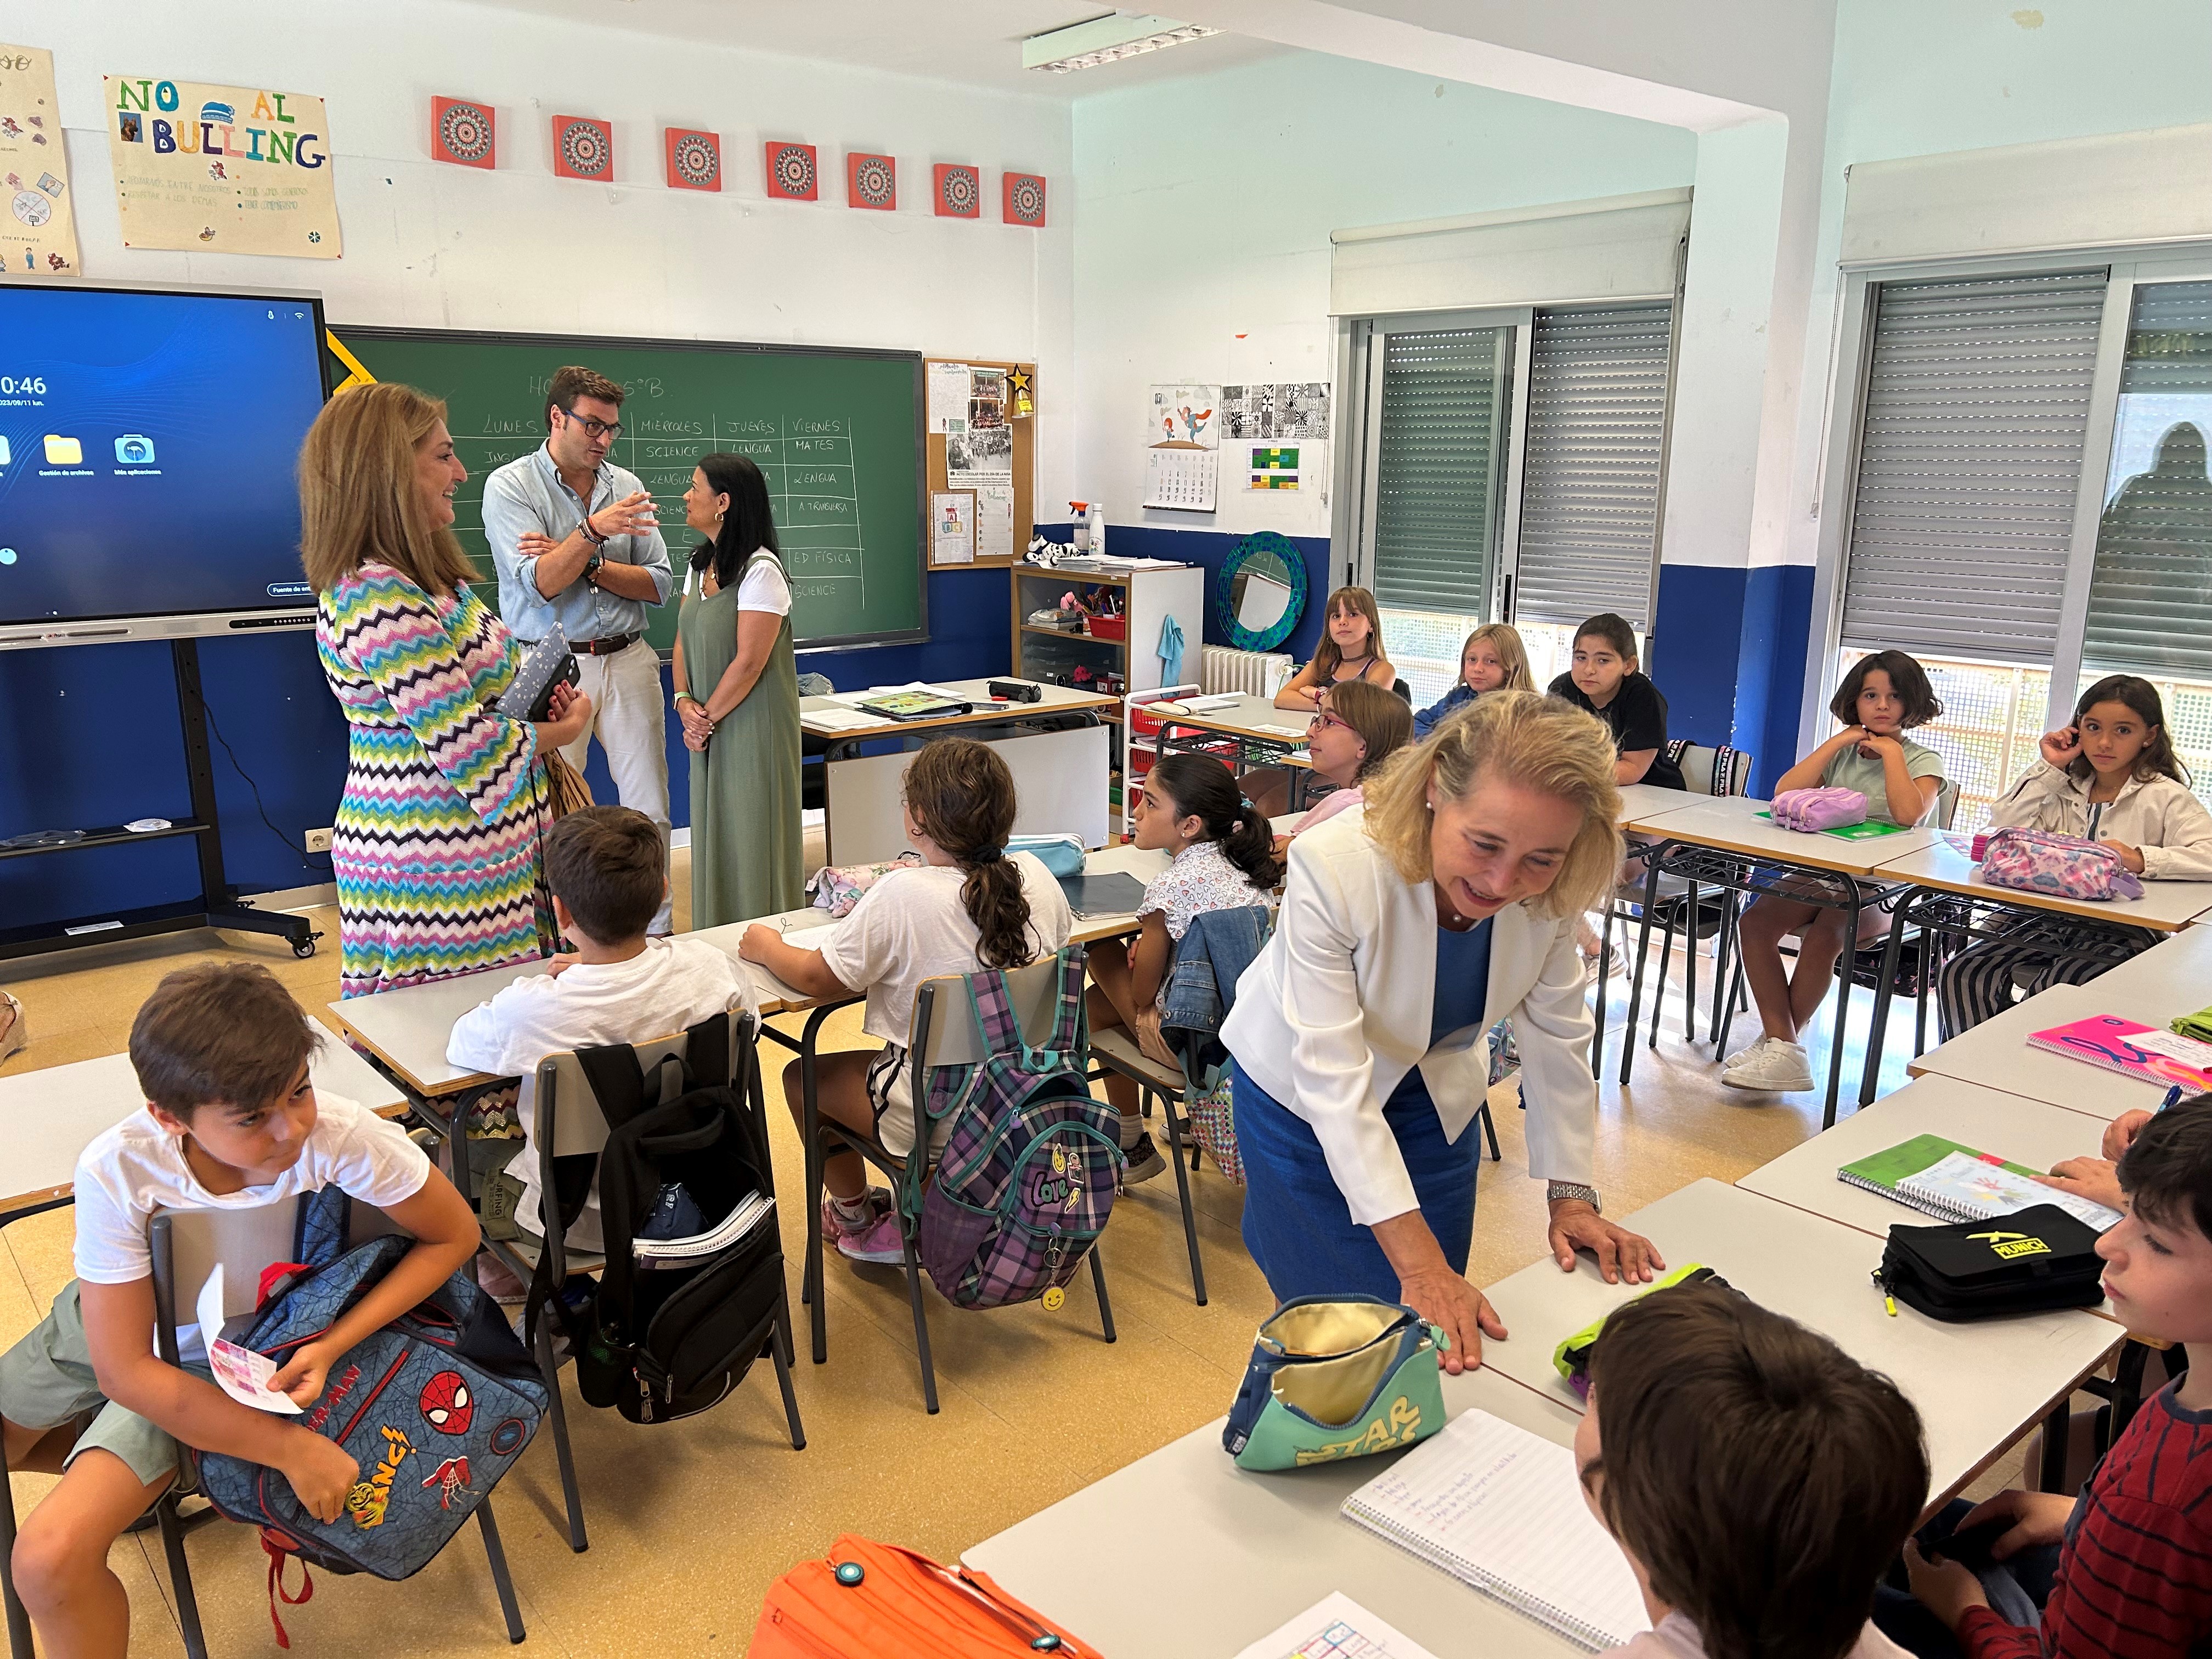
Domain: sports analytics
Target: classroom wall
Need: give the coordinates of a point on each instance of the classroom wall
(435, 246)
(1202, 248)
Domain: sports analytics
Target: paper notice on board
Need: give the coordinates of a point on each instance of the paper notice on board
(947, 385)
(976, 458)
(994, 521)
(951, 526)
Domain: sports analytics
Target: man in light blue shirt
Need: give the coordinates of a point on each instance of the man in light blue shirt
(576, 543)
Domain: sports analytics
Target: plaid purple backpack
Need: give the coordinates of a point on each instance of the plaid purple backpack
(1032, 1162)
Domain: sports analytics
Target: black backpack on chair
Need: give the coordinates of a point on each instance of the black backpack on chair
(673, 1323)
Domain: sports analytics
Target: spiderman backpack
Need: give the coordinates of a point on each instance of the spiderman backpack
(434, 1408)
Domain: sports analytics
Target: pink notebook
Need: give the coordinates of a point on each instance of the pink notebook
(2142, 1052)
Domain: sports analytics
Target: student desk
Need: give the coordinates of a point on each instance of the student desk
(1264, 1547)
(1944, 887)
(1722, 843)
(1642, 803)
(48, 1117)
(1977, 1387)
(1262, 734)
(1995, 1053)
(1056, 748)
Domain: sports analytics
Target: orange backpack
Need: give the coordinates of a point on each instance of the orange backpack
(867, 1599)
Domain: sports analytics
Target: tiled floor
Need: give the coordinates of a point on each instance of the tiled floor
(691, 1520)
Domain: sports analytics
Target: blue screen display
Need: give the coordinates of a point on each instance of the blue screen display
(147, 449)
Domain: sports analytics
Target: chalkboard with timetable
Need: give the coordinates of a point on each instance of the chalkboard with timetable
(837, 433)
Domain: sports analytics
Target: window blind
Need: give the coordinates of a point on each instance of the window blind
(1969, 458)
(1443, 402)
(1590, 466)
(2150, 597)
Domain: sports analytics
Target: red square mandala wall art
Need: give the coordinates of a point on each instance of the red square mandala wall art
(792, 175)
(463, 133)
(694, 159)
(1024, 198)
(583, 149)
(871, 182)
(959, 192)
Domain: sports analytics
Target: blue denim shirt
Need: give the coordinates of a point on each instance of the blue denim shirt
(527, 494)
(1216, 949)
(1428, 719)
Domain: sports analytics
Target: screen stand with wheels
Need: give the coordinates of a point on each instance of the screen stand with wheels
(215, 907)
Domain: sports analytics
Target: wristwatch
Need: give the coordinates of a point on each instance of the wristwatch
(1555, 1191)
(591, 565)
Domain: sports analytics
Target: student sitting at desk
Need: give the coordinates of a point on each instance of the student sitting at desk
(231, 1123)
(1224, 859)
(1758, 1478)
(1882, 697)
(1356, 728)
(969, 905)
(1350, 648)
(1606, 682)
(608, 874)
(1493, 660)
(2110, 776)
(2122, 1570)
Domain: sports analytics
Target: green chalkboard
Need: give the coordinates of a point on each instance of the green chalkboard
(838, 434)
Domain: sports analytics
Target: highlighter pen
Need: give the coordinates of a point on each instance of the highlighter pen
(1888, 1302)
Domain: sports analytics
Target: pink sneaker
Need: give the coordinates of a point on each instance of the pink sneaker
(879, 1242)
(879, 1204)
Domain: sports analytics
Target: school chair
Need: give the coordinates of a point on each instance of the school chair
(187, 1246)
(567, 1121)
(943, 1032)
(1718, 770)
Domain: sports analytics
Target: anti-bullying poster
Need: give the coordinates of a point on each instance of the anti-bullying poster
(222, 169)
(38, 233)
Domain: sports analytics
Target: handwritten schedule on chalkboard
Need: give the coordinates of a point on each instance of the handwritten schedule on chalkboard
(837, 435)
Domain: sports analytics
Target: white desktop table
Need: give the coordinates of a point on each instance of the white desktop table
(1059, 777)
(1642, 803)
(2164, 906)
(1995, 1053)
(1259, 1549)
(1732, 824)
(48, 1117)
(1977, 1387)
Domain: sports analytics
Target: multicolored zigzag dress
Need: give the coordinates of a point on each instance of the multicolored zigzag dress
(437, 842)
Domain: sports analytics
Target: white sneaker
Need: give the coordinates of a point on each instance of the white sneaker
(1770, 1064)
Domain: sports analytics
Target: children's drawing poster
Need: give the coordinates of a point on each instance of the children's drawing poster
(38, 233)
(227, 169)
(1183, 451)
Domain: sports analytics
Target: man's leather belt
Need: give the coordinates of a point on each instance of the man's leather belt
(607, 646)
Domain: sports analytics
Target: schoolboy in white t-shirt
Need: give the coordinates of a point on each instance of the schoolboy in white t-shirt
(609, 876)
(231, 1122)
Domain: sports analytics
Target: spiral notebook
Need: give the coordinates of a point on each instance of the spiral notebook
(1501, 1508)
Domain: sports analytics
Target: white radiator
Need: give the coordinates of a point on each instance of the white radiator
(1258, 673)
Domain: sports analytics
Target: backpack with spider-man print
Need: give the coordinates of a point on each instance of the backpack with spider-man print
(434, 1408)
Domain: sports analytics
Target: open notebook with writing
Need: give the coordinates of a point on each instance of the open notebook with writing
(1501, 1508)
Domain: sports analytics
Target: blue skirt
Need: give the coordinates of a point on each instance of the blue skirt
(1296, 1223)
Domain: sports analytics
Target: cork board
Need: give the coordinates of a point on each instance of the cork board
(1023, 428)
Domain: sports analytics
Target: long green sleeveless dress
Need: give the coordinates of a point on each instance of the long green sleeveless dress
(747, 855)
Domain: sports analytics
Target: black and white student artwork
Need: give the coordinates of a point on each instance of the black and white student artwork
(1278, 410)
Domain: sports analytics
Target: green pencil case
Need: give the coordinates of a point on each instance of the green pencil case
(1572, 1356)
(1333, 1378)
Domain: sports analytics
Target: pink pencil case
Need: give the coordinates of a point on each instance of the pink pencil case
(1815, 810)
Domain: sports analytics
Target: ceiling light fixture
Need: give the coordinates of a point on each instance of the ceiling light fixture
(1105, 40)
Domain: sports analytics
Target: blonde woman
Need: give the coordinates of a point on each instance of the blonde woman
(1493, 659)
(1411, 925)
(435, 846)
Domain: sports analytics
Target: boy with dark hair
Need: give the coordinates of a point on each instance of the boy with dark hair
(609, 877)
(1758, 1479)
(231, 1122)
(2133, 1576)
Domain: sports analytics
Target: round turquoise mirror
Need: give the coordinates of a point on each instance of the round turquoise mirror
(1261, 592)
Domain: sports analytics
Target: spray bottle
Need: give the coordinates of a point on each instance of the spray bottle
(1079, 512)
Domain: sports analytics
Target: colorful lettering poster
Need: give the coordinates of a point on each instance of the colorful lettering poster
(226, 169)
(38, 233)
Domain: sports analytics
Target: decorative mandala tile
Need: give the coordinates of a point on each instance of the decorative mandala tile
(463, 133)
(694, 159)
(959, 192)
(871, 182)
(1024, 197)
(792, 173)
(583, 149)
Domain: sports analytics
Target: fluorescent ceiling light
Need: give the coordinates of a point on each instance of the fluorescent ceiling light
(1105, 40)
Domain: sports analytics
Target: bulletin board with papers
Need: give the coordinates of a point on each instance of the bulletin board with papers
(979, 422)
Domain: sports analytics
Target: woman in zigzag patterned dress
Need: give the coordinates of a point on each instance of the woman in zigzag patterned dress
(436, 839)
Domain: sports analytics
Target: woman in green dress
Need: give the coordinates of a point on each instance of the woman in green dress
(737, 693)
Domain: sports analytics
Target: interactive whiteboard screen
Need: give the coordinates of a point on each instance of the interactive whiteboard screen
(147, 446)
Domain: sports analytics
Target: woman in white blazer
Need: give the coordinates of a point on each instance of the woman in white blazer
(1409, 927)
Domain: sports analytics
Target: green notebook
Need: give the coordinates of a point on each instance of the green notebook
(1865, 831)
(1881, 1172)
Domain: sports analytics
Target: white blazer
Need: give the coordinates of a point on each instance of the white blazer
(1335, 1011)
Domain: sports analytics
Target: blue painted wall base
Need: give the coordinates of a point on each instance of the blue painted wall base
(1729, 653)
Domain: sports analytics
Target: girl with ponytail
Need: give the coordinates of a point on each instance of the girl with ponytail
(1224, 859)
(969, 905)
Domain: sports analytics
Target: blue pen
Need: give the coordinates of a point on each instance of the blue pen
(2172, 1095)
